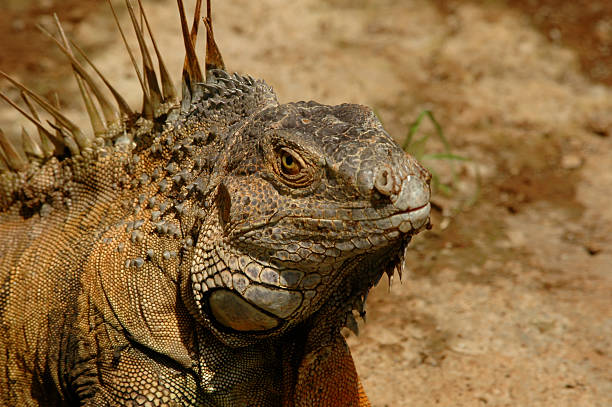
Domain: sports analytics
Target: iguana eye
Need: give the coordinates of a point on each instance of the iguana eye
(292, 168)
(290, 164)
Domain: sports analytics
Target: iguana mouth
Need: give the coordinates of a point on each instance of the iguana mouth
(411, 220)
(261, 305)
(406, 221)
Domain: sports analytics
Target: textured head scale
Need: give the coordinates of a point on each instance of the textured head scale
(316, 202)
(268, 215)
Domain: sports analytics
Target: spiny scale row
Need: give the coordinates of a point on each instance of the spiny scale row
(108, 122)
(138, 262)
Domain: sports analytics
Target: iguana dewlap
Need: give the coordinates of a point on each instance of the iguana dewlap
(203, 252)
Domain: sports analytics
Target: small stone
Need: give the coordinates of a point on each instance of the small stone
(571, 161)
(593, 248)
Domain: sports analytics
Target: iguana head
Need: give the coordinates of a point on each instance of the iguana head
(313, 203)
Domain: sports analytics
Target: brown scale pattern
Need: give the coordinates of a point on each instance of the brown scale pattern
(208, 255)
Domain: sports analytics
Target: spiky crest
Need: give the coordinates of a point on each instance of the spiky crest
(124, 108)
(57, 138)
(49, 143)
(192, 74)
(96, 121)
(214, 60)
(11, 155)
(147, 110)
(167, 86)
(150, 77)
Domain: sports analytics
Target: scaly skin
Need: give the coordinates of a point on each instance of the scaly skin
(210, 261)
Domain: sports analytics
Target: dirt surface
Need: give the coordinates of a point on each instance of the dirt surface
(509, 298)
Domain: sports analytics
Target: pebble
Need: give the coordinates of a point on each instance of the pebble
(571, 162)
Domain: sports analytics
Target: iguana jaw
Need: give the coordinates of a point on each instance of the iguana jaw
(241, 315)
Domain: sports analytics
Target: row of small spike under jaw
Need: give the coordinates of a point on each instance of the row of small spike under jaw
(108, 122)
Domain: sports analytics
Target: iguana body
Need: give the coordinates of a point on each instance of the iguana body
(207, 253)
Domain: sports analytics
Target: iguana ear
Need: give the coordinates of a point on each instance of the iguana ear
(327, 376)
(141, 295)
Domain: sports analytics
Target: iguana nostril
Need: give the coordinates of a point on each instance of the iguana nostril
(383, 181)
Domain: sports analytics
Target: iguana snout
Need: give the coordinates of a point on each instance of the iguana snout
(408, 192)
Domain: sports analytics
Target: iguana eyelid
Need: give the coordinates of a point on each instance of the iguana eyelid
(277, 142)
(303, 177)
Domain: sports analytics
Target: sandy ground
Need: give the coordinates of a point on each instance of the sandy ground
(509, 298)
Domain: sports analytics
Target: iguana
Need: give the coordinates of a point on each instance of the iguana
(205, 251)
